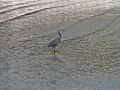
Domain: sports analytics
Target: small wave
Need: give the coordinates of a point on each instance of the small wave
(29, 13)
(9, 8)
(15, 4)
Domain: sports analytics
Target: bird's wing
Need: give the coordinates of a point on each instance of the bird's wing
(54, 42)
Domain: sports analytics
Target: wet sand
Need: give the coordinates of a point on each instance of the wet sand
(88, 61)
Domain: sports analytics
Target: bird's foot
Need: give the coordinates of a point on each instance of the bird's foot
(57, 52)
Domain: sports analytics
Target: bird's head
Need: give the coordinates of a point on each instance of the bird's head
(59, 31)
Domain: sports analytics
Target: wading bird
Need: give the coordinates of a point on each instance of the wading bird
(54, 42)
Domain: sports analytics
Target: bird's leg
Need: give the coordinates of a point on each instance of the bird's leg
(53, 50)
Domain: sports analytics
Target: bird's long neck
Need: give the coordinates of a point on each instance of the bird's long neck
(59, 35)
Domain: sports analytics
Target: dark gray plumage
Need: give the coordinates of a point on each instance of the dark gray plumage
(54, 42)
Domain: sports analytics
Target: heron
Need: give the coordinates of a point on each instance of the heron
(56, 41)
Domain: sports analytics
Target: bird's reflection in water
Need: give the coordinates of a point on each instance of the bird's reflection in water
(56, 60)
(56, 57)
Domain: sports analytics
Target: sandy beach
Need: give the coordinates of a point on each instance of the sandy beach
(88, 57)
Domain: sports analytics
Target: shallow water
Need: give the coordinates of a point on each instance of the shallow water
(48, 72)
(86, 59)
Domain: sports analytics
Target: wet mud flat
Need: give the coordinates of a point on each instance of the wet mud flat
(87, 62)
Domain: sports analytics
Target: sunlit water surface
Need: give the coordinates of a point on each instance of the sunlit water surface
(27, 26)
